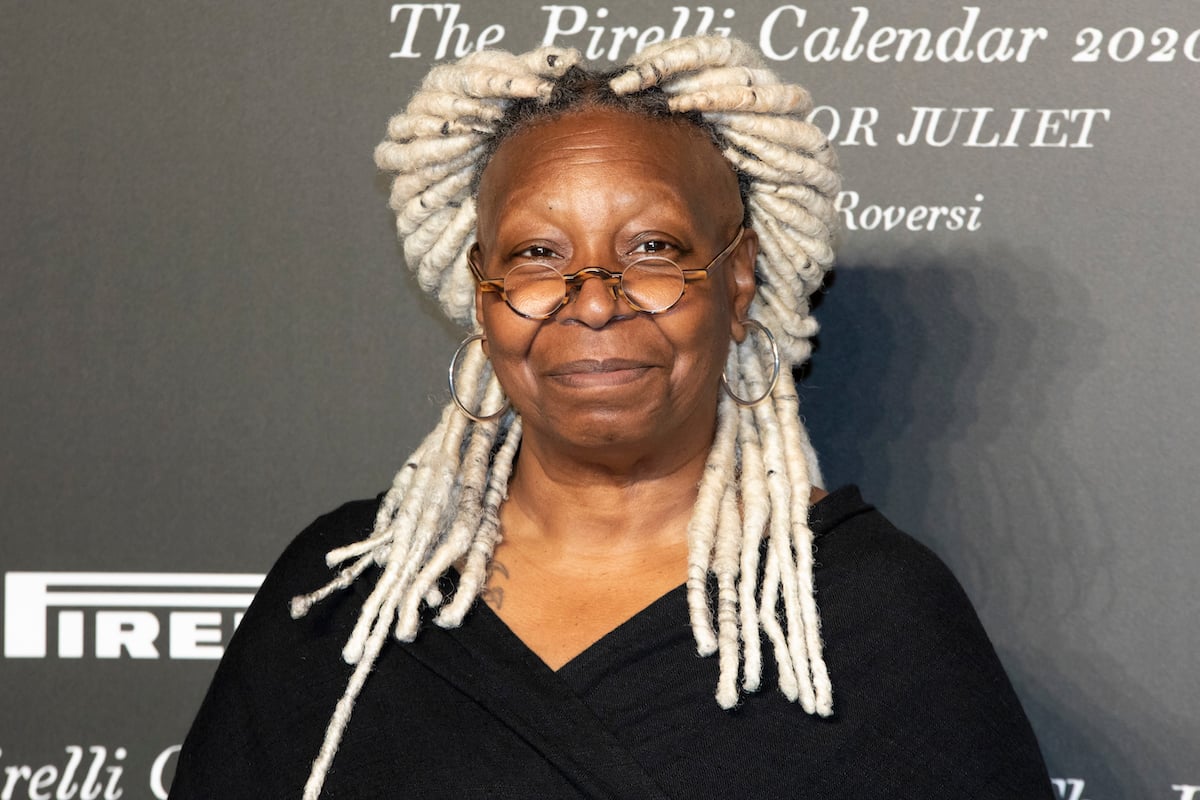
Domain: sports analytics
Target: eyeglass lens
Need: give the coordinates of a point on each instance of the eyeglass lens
(538, 290)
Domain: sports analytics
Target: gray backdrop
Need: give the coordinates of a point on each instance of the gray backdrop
(209, 337)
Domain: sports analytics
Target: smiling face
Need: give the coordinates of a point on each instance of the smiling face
(601, 187)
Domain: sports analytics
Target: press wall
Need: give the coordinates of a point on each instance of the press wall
(209, 336)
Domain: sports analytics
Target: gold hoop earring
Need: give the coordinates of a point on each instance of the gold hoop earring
(755, 324)
(474, 337)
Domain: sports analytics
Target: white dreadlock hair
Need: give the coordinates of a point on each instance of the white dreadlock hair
(753, 499)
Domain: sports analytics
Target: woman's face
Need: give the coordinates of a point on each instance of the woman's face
(601, 187)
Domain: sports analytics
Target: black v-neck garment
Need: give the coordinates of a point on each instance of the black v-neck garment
(923, 709)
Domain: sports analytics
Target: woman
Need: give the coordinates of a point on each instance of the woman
(637, 250)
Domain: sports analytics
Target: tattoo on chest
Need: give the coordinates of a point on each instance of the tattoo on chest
(491, 594)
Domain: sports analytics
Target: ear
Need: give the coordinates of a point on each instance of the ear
(742, 288)
(473, 259)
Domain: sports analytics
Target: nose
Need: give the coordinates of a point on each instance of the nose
(596, 301)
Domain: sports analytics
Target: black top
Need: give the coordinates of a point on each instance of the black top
(923, 709)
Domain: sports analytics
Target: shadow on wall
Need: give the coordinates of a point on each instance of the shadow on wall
(948, 390)
(944, 390)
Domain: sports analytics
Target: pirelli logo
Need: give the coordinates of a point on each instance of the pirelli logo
(141, 615)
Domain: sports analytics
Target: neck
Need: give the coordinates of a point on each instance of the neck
(602, 502)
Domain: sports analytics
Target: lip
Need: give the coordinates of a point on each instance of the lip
(593, 372)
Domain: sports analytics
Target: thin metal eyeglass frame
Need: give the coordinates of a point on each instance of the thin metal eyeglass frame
(574, 281)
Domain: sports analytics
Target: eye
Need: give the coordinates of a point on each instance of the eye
(654, 246)
(537, 252)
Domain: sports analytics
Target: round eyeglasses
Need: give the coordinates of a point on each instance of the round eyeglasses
(653, 284)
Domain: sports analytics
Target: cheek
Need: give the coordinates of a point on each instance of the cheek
(702, 346)
(504, 331)
(508, 340)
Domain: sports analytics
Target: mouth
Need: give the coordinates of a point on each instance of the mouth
(591, 372)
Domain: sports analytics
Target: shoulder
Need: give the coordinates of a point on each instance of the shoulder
(910, 660)
(302, 569)
(881, 569)
(270, 699)
(346, 524)
(890, 608)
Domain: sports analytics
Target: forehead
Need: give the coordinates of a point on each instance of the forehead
(602, 148)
